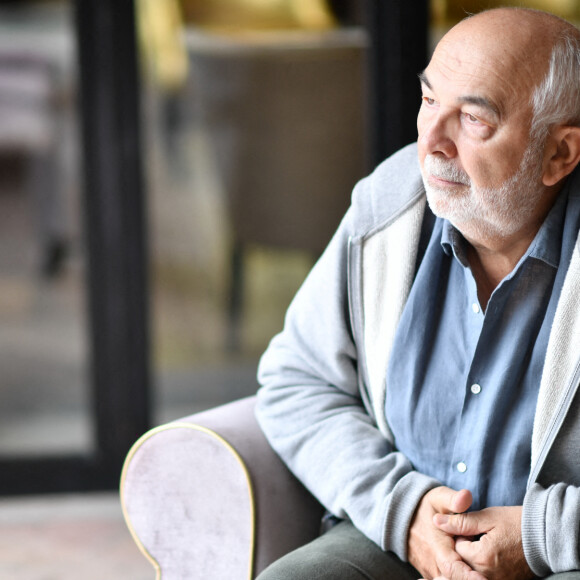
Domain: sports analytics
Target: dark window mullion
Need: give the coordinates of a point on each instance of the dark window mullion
(115, 222)
(398, 32)
(115, 229)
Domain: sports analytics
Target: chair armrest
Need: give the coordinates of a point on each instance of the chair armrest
(206, 497)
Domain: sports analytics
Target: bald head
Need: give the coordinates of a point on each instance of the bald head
(516, 29)
(531, 48)
(517, 43)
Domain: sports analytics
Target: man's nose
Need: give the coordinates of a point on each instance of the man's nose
(436, 135)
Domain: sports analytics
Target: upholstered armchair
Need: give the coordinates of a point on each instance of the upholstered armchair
(206, 498)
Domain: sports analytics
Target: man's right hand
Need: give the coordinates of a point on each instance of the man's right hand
(430, 550)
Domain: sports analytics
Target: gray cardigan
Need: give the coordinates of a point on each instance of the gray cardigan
(321, 404)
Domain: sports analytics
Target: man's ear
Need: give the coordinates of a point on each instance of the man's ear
(562, 154)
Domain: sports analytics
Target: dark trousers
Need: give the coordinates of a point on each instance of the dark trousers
(344, 553)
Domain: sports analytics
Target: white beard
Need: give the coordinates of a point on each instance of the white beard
(489, 212)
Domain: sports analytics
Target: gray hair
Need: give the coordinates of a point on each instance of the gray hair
(556, 100)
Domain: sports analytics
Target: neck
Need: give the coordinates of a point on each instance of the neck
(491, 258)
(492, 261)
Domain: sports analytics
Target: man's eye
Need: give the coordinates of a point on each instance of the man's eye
(429, 101)
(472, 119)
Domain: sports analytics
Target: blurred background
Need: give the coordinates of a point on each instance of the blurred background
(170, 170)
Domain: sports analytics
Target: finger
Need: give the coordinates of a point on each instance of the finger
(459, 570)
(461, 539)
(461, 501)
(470, 524)
(450, 501)
(468, 550)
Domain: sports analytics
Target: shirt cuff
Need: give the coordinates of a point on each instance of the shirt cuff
(533, 530)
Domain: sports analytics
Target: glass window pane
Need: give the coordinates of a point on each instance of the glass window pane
(43, 346)
(254, 142)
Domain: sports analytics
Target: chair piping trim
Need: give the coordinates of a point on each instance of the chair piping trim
(236, 456)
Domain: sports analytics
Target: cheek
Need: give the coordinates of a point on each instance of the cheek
(488, 168)
(495, 162)
(421, 146)
(494, 173)
(481, 174)
(422, 120)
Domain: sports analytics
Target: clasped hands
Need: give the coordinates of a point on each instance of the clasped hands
(446, 543)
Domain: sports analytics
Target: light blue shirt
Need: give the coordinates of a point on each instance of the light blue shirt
(462, 384)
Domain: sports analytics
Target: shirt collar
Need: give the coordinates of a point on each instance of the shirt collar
(546, 246)
(453, 242)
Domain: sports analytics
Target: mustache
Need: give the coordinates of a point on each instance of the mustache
(444, 169)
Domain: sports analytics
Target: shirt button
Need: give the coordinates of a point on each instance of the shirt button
(461, 467)
(475, 307)
(476, 389)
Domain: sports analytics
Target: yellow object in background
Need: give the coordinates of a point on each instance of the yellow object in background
(236, 15)
(160, 25)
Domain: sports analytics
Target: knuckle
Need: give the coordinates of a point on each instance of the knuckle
(456, 570)
(446, 567)
(460, 523)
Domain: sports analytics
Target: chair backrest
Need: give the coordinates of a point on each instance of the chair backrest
(286, 117)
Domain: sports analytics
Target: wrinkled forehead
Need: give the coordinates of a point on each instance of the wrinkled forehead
(500, 65)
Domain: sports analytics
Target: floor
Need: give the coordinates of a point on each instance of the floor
(68, 538)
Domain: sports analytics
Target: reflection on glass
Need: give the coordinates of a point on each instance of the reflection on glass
(246, 141)
(43, 391)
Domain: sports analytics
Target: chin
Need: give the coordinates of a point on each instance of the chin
(460, 213)
(443, 203)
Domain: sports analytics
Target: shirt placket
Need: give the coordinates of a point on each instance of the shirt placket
(462, 469)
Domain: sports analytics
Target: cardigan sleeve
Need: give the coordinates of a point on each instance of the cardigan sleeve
(310, 406)
(551, 528)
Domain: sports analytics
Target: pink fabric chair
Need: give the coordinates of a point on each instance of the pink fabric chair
(207, 498)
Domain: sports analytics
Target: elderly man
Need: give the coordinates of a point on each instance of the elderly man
(424, 386)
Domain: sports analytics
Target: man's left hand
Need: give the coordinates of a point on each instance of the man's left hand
(490, 541)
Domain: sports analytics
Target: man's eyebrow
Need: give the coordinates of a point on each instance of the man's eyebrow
(481, 102)
(424, 80)
(469, 99)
